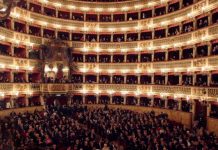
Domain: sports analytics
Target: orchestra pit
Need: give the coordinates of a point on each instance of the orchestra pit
(108, 74)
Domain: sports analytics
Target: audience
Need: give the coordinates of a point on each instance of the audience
(76, 127)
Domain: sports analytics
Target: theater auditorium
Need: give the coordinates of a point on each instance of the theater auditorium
(108, 74)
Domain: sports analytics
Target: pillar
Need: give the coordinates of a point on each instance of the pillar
(193, 109)
(180, 105)
(208, 109)
(97, 99)
(41, 100)
(166, 103)
(84, 99)
(180, 79)
(26, 101)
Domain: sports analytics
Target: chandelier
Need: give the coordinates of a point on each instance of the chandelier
(6, 7)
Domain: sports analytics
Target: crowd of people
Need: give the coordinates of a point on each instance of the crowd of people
(78, 128)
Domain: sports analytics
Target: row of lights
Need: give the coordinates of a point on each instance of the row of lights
(15, 93)
(163, 70)
(15, 67)
(139, 27)
(149, 94)
(151, 48)
(55, 69)
(111, 9)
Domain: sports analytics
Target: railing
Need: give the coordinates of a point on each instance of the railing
(170, 18)
(191, 38)
(209, 93)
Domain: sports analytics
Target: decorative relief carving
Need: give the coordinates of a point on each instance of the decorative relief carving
(145, 45)
(172, 89)
(91, 66)
(6, 87)
(199, 91)
(21, 37)
(198, 6)
(144, 88)
(21, 87)
(58, 87)
(91, 45)
(145, 66)
(200, 34)
(77, 87)
(20, 62)
(90, 87)
(199, 62)
(213, 92)
(91, 25)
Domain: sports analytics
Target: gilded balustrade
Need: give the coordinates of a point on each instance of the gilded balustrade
(107, 7)
(18, 63)
(207, 93)
(144, 24)
(172, 66)
(180, 40)
(19, 88)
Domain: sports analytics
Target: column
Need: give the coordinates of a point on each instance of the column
(166, 78)
(112, 57)
(97, 99)
(166, 55)
(208, 79)
(70, 36)
(209, 48)
(125, 16)
(124, 100)
(97, 57)
(194, 51)
(112, 17)
(125, 57)
(152, 79)
(84, 58)
(56, 12)
(125, 78)
(166, 103)
(84, 99)
(12, 102)
(139, 57)
(138, 77)
(26, 101)
(193, 110)
(180, 104)
(97, 78)
(12, 24)
(12, 76)
(194, 79)
(138, 101)
(41, 100)
(71, 16)
(98, 17)
(139, 15)
(180, 79)
(111, 100)
(42, 32)
(111, 78)
(56, 33)
(180, 53)
(152, 101)
(125, 37)
(208, 109)
(84, 78)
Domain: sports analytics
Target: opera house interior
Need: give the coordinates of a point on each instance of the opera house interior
(108, 74)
